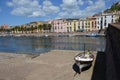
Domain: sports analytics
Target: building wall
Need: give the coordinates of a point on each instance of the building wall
(104, 19)
(94, 23)
(69, 26)
(5, 26)
(74, 29)
(59, 25)
(80, 25)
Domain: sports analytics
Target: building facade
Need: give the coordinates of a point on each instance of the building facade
(104, 19)
(59, 25)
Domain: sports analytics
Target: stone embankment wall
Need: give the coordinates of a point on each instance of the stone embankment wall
(112, 52)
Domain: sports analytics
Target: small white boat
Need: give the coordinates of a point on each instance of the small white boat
(84, 58)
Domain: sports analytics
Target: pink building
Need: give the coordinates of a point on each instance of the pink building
(5, 26)
(59, 25)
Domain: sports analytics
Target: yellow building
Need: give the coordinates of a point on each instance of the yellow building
(74, 28)
(71, 25)
(87, 25)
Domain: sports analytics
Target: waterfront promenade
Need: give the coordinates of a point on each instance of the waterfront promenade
(51, 34)
(53, 65)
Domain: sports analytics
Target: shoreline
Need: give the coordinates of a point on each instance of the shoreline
(53, 65)
(50, 34)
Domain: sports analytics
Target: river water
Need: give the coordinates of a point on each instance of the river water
(39, 45)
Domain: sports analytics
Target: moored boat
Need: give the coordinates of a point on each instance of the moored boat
(84, 58)
(93, 35)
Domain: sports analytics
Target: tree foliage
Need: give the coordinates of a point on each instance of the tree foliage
(114, 7)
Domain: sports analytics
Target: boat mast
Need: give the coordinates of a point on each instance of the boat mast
(84, 47)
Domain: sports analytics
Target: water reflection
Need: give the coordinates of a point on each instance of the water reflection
(43, 44)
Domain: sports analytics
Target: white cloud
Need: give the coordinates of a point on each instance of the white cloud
(32, 8)
(68, 8)
(90, 2)
(69, 5)
(80, 2)
(97, 6)
(72, 8)
(48, 7)
(29, 8)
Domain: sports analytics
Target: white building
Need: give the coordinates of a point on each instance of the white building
(104, 19)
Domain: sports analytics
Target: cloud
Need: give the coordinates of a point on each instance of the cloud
(32, 8)
(29, 8)
(69, 5)
(90, 2)
(72, 8)
(48, 7)
(97, 6)
(80, 2)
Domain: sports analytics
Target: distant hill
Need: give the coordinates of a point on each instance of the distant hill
(114, 7)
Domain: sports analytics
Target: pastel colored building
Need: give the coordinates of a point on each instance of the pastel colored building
(117, 16)
(92, 22)
(104, 19)
(71, 25)
(74, 28)
(80, 25)
(59, 25)
(83, 25)
(5, 26)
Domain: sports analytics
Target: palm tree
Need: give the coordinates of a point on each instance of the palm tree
(36, 28)
(49, 27)
(32, 28)
(22, 29)
(29, 29)
(12, 29)
(40, 27)
(1, 30)
(16, 29)
(44, 26)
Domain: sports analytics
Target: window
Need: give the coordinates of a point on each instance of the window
(67, 29)
(82, 26)
(79, 23)
(92, 24)
(55, 27)
(112, 21)
(95, 22)
(98, 22)
(78, 27)
(89, 23)
(74, 28)
(105, 16)
(70, 29)
(74, 24)
(112, 16)
(67, 23)
(105, 23)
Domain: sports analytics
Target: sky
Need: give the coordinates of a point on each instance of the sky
(18, 12)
